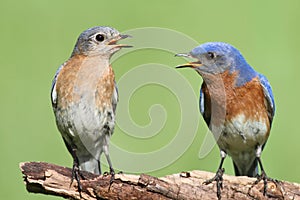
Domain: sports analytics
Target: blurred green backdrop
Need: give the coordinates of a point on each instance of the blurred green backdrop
(38, 35)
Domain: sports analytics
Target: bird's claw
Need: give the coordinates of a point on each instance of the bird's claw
(263, 176)
(219, 179)
(76, 175)
(112, 177)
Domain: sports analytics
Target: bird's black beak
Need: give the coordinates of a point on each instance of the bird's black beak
(189, 64)
(125, 36)
(182, 55)
(120, 37)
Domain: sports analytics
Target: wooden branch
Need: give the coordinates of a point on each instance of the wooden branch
(51, 179)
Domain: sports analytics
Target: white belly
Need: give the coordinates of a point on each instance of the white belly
(239, 136)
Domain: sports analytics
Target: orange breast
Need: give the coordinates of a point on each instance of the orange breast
(66, 81)
(105, 89)
(229, 101)
(84, 78)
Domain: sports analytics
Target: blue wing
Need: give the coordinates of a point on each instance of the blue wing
(201, 102)
(204, 104)
(268, 95)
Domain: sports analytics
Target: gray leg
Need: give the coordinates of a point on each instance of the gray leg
(106, 153)
(263, 176)
(219, 175)
(111, 169)
(99, 166)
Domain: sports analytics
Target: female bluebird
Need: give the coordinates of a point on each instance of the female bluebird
(237, 104)
(84, 98)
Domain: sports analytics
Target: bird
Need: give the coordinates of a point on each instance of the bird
(237, 104)
(84, 97)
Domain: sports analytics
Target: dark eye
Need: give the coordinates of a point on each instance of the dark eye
(100, 37)
(211, 55)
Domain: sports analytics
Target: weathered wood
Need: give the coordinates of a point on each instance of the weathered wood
(46, 178)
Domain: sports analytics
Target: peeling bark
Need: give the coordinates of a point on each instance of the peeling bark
(46, 178)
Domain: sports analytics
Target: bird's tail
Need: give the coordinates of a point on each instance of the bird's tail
(251, 172)
(90, 165)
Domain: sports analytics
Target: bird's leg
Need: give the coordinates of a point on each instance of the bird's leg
(75, 171)
(112, 175)
(219, 175)
(111, 169)
(99, 166)
(263, 176)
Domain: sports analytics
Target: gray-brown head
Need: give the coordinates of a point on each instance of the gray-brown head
(99, 40)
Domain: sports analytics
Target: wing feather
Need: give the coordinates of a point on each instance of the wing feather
(270, 104)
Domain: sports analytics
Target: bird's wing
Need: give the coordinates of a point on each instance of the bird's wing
(270, 104)
(53, 87)
(201, 102)
(115, 98)
(204, 103)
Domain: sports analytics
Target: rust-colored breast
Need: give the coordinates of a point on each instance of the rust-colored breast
(249, 100)
(105, 89)
(86, 80)
(66, 80)
(231, 101)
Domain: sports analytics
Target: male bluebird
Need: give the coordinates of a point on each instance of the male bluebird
(84, 97)
(237, 104)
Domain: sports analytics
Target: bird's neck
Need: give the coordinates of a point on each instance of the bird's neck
(215, 88)
(88, 71)
(245, 73)
(236, 76)
(217, 82)
(91, 64)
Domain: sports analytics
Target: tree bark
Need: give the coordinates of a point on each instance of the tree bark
(46, 178)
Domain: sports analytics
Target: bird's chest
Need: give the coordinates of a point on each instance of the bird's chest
(85, 80)
(241, 134)
(84, 90)
(238, 116)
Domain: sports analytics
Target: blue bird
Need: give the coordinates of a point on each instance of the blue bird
(237, 104)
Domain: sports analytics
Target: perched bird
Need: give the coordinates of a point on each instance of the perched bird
(237, 104)
(84, 97)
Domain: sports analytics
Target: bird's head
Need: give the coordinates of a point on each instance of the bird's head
(215, 58)
(99, 40)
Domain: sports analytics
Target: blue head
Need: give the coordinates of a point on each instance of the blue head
(219, 57)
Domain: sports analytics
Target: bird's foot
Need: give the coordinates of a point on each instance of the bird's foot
(112, 176)
(219, 179)
(263, 176)
(76, 174)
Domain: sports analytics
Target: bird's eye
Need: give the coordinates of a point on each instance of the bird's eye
(100, 37)
(211, 55)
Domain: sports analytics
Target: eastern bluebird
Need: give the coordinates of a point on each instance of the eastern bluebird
(237, 104)
(84, 97)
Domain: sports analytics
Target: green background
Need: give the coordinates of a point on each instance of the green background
(38, 35)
